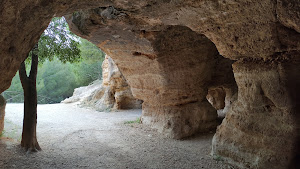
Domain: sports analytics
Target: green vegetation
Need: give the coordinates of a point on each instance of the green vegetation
(57, 77)
(218, 158)
(138, 120)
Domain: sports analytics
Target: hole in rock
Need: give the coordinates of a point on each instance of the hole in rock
(221, 99)
(222, 90)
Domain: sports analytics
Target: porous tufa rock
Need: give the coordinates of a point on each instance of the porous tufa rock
(250, 31)
(261, 129)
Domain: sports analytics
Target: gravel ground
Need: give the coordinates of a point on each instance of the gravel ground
(73, 137)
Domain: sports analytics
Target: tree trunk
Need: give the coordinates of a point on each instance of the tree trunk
(29, 141)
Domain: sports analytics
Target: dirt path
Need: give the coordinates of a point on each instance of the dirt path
(73, 137)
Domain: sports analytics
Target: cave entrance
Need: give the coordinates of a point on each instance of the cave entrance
(65, 62)
(175, 104)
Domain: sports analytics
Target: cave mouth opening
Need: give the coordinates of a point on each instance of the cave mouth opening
(65, 62)
(84, 134)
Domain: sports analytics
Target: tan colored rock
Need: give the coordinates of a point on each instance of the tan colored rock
(221, 98)
(2, 112)
(156, 65)
(261, 130)
(112, 92)
(181, 120)
(239, 29)
(222, 90)
(118, 86)
(245, 30)
(216, 97)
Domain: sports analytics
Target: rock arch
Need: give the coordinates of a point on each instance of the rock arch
(170, 70)
(262, 36)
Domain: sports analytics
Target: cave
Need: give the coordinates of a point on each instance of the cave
(177, 56)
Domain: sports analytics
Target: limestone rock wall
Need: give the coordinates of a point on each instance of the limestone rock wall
(261, 129)
(156, 65)
(222, 90)
(135, 34)
(112, 92)
(241, 30)
(221, 98)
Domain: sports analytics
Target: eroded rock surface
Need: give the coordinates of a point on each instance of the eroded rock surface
(156, 64)
(112, 92)
(171, 79)
(240, 30)
(222, 90)
(221, 98)
(261, 129)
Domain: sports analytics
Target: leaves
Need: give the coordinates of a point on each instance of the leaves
(57, 80)
(68, 62)
(58, 41)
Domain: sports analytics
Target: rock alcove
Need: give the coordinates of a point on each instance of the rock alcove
(170, 54)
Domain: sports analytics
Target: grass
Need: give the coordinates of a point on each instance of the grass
(138, 120)
(218, 158)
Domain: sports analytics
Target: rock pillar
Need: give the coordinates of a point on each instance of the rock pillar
(261, 130)
(177, 105)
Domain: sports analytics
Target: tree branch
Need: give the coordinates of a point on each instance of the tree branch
(23, 74)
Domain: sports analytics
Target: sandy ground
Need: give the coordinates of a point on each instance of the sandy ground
(73, 137)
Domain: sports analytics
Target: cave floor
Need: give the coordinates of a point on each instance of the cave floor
(73, 137)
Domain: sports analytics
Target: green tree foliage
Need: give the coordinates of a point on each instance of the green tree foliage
(58, 41)
(58, 85)
(80, 73)
(90, 67)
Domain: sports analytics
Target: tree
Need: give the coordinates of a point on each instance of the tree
(49, 74)
(56, 41)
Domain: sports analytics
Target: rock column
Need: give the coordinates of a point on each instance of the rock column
(261, 130)
(178, 107)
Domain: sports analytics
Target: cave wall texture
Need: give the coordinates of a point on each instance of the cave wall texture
(171, 52)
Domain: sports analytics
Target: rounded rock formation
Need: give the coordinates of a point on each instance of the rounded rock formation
(168, 52)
